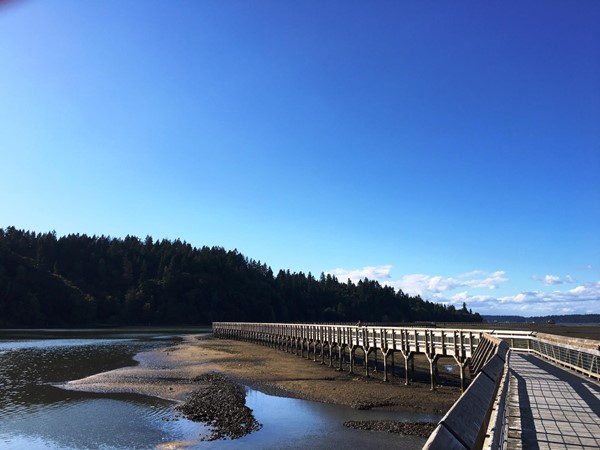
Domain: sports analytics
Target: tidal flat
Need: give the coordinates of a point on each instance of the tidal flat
(122, 390)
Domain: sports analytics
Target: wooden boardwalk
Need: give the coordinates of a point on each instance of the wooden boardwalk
(525, 404)
(551, 408)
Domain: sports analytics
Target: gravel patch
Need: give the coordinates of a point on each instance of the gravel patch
(421, 429)
(221, 404)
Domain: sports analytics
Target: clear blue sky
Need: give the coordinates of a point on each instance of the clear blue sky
(450, 149)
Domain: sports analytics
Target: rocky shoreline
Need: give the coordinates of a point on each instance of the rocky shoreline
(221, 404)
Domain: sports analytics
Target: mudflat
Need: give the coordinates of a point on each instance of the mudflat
(202, 372)
(169, 373)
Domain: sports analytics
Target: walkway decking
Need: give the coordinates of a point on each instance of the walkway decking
(551, 408)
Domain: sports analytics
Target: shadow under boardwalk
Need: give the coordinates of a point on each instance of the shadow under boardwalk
(551, 408)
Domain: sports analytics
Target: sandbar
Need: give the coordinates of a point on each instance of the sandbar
(168, 373)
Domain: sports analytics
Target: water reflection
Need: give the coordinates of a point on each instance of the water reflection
(134, 423)
(50, 343)
(25, 373)
(34, 414)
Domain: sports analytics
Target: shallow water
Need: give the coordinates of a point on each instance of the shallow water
(34, 414)
(291, 423)
(111, 423)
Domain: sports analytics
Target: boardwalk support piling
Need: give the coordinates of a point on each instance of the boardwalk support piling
(352, 350)
(433, 369)
(408, 373)
(386, 353)
(366, 352)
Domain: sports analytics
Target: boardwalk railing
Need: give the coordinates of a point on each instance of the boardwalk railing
(461, 344)
(497, 432)
(465, 425)
(303, 339)
(577, 354)
(581, 355)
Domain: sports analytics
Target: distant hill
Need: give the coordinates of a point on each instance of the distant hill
(79, 280)
(570, 318)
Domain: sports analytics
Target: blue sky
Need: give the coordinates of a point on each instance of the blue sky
(449, 149)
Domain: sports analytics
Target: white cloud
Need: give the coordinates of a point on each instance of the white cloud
(486, 280)
(466, 297)
(583, 293)
(581, 299)
(370, 272)
(436, 287)
(427, 286)
(552, 280)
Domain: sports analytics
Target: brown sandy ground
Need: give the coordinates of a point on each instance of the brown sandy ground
(168, 373)
(276, 372)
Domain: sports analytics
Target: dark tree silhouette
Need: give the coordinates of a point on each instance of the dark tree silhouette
(80, 280)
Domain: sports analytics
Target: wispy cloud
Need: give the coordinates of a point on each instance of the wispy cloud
(553, 280)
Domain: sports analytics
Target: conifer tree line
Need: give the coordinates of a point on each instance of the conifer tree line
(80, 280)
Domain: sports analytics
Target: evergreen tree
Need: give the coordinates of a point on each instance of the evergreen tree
(78, 280)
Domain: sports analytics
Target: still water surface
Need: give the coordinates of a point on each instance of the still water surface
(36, 415)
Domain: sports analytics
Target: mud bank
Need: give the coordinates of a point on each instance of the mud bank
(169, 373)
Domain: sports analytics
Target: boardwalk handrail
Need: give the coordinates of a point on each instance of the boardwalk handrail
(465, 424)
(580, 355)
(434, 343)
(497, 432)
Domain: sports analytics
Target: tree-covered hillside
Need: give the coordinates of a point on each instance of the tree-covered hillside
(79, 280)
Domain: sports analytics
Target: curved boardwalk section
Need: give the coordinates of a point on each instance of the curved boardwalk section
(550, 408)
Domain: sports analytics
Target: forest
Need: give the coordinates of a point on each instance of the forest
(90, 281)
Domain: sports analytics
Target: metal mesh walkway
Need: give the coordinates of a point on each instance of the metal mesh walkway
(551, 408)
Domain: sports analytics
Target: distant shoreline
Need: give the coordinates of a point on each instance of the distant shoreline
(583, 331)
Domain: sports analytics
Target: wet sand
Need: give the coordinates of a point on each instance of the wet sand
(182, 373)
(169, 372)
